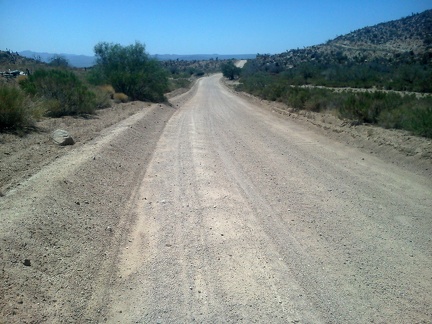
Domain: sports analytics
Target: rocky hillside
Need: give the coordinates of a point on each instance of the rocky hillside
(413, 33)
(10, 60)
(405, 40)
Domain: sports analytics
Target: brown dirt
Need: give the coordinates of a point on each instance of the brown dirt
(215, 209)
(61, 207)
(22, 156)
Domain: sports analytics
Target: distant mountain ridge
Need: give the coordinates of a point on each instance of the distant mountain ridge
(81, 61)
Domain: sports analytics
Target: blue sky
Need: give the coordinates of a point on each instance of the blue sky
(190, 27)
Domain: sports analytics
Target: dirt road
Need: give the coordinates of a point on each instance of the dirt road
(225, 214)
(242, 217)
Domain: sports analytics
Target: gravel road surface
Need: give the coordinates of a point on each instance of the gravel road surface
(214, 210)
(244, 217)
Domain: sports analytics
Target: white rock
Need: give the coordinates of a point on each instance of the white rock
(62, 137)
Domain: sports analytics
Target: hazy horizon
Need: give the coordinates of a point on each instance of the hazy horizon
(155, 54)
(192, 27)
(81, 60)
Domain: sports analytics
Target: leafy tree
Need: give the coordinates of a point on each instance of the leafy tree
(230, 71)
(130, 70)
(59, 61)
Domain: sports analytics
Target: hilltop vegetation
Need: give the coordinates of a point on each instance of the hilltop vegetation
(396, 55)
(391, 56)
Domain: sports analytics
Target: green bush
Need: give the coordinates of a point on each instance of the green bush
(64, 93)
(179, 83)
(389, 110)
(230, 71)
(419, 119)
(103, 96)
(15, 109)
(392, 118)
(360, 106)
(357, 73)
(318, 100)
(129, 70)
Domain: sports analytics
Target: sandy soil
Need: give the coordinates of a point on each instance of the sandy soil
(22, 156)
(218, 208)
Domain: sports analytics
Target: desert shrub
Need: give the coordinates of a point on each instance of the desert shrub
(16, 110)
(419, 118)
(318, 100)
(129, 70)
(411, 114)
(391, 74)
(389, 110)
(107, 88)
(178, 83)
(230, 71)
(199, 73)
(103, 96)
(355, 106)
(296, 97)
(370, 107)
(120, 97)
(64, 93)
(392, 118)
(96, 77)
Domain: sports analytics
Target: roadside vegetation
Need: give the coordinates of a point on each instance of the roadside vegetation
(230, 71)
(129, 70)
(400, 72)
(63, 93)
(384, 63)
(122, 73)
(385, 109)
(16, 110)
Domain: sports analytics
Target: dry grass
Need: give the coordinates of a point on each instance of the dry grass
(108, 89)
(21, 78)
(120, 97)
(104, 94)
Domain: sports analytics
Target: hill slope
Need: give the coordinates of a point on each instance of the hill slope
(396, 56)
(15, 61)
(405, 40)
